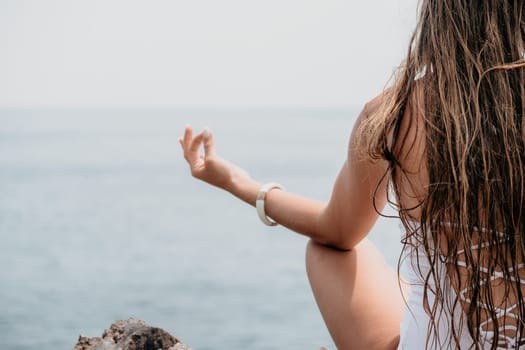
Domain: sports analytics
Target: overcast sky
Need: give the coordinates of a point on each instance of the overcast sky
(199, 52)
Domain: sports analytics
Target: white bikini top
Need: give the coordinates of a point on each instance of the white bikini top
(415, 324)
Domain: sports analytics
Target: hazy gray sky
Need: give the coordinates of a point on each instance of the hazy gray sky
(199, 52)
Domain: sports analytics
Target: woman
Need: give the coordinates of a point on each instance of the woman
(448, 138)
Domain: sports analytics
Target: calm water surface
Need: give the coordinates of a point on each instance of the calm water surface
(100, 220)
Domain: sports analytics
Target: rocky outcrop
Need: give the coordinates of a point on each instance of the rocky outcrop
(131, 334)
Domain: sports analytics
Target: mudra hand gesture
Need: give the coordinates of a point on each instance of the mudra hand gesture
(209, 167)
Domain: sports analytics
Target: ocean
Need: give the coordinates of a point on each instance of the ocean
(100, 220)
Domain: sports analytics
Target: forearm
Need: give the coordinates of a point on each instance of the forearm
(301, 215)
(292, 211)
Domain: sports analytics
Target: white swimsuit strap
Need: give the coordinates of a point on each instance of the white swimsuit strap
(504, 341)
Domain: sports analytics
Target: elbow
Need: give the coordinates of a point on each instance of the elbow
(339, 246)
(343, 245)
(349, 238)
(339, 242)
(333, 236)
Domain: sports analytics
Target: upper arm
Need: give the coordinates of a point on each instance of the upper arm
(359, 193)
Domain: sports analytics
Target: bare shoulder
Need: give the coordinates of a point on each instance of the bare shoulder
(368, 127)
(377, 124)
(373, 106)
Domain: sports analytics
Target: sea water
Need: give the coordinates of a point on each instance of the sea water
(100, 220)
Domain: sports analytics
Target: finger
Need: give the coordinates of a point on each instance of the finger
(188, 141)
(196, 143)
(209, 144)
(188, 136)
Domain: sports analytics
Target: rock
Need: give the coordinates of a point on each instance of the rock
(131, 334)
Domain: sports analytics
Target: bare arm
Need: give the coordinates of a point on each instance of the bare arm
(342, 222)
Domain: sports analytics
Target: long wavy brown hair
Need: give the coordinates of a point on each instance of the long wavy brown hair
(466, 64)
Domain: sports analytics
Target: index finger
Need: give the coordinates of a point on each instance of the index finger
(188, 135)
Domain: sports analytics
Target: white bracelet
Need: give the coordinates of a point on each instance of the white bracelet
(259, 203)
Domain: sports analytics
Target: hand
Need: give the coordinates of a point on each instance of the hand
(209, 167)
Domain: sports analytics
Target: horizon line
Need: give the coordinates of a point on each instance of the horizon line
(180, 107)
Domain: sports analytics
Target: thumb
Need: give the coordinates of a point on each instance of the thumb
(209, 144)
